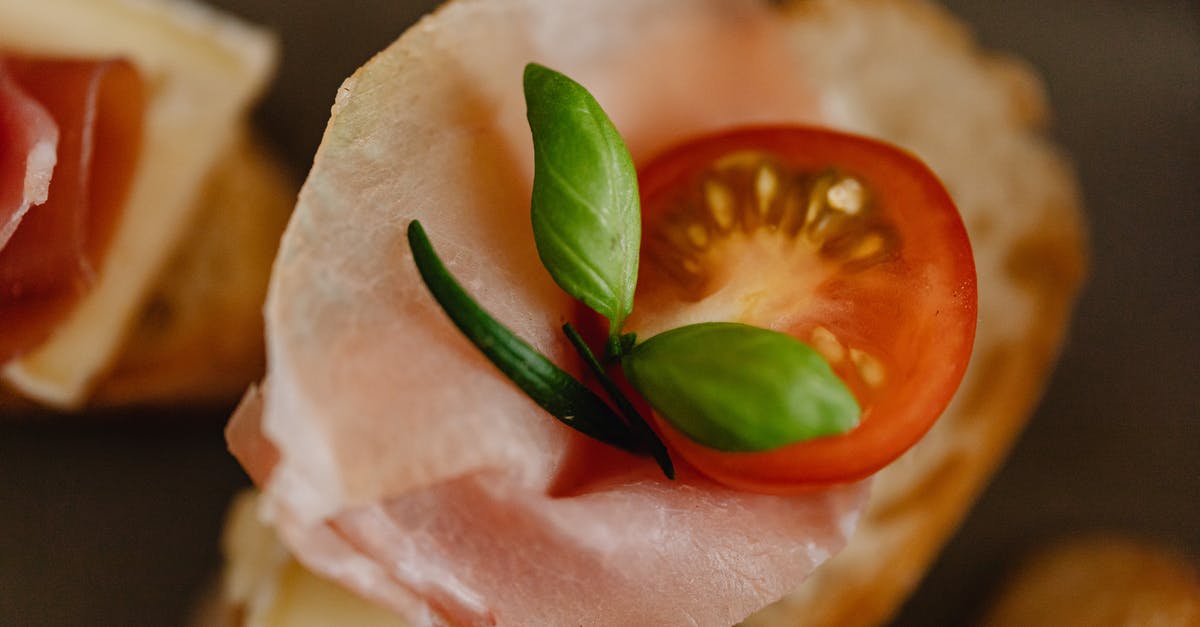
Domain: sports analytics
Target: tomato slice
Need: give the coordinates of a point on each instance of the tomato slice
(851, 245)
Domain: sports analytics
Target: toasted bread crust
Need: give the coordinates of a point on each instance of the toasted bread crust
(904, 528)
(202, 70)
(1100, 580)
(199, 337)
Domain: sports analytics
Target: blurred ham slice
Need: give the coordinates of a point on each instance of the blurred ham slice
(51, 257)
(201, 70)
(28, 150)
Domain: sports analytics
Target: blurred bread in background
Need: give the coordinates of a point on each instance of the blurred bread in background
(199, 335)
(172, 312)
(1100, 581)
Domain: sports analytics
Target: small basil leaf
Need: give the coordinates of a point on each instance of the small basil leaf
(548, 385)
(585, 208)
(734, 387)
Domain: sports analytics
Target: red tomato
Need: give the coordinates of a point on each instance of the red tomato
(850, 245)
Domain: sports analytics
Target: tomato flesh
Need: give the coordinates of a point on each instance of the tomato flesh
(851, 245)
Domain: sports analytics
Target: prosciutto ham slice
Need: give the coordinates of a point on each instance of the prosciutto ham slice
(87, 118)
(394, 461)
(201, 70)
(28, 150)
(630, 549)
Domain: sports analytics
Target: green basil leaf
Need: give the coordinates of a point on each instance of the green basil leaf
(585, 208)
(738, 388)
(548, 385)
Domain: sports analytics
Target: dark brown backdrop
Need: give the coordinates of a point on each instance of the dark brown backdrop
(105, 523)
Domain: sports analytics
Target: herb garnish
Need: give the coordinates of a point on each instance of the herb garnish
(586, 214)
(640, 429)
(731, 387)
(734, 387)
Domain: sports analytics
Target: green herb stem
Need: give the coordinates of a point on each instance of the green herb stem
(641, 430)
(549, 386)
(617, 346)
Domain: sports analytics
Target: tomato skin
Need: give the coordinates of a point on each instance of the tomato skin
(913, 312)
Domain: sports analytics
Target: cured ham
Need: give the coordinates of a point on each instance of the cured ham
(394, 457)
(28, 150)
(395, 462)
(200, 70)
(631, 548)
(53, 255)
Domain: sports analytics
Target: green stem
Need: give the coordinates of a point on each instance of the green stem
(617, 346)
(642, 431)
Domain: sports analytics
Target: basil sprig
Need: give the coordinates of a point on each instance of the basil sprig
(728, 386)
(586, 214)
(738, 388)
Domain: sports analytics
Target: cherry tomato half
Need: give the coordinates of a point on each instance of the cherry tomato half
(851, 245)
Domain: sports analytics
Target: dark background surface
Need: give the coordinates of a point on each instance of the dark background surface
(113, 520)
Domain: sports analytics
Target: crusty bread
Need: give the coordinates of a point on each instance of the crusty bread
(267, 587)
(199, 335)
(919, 500)
(1100, 581)
(977, 123)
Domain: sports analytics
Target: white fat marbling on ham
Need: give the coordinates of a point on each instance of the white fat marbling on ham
(28, 152)
(393, 457)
